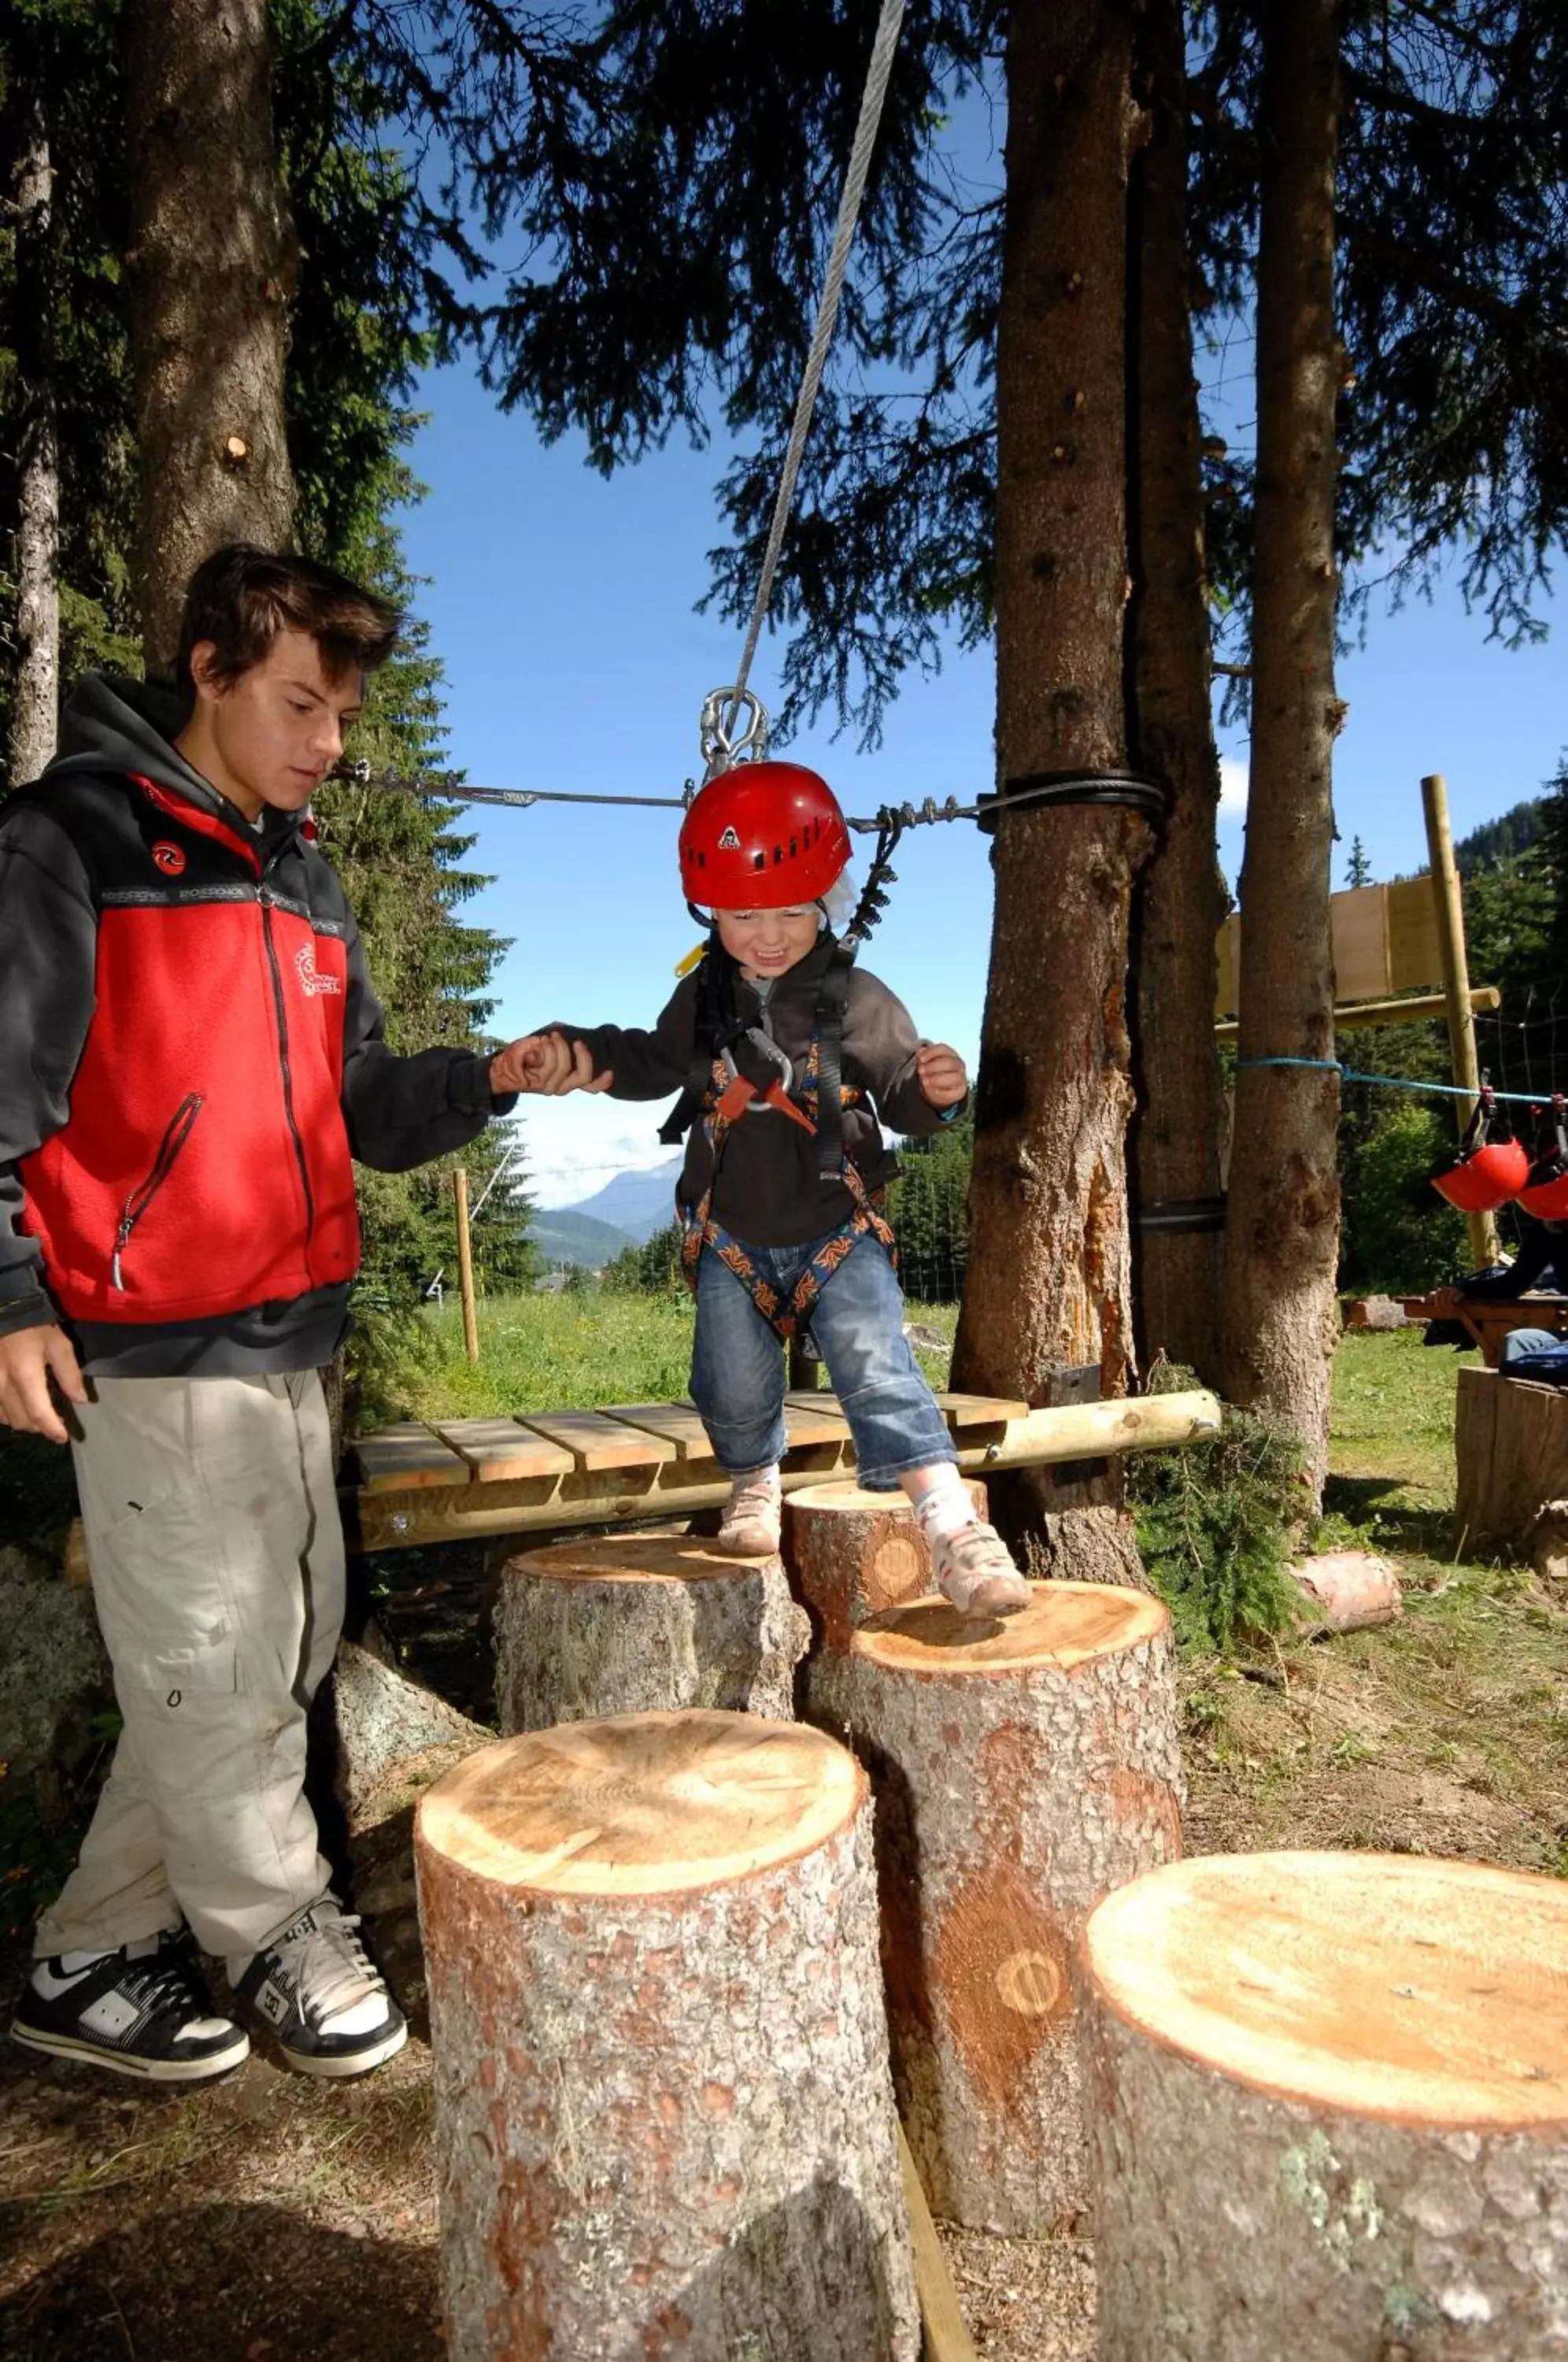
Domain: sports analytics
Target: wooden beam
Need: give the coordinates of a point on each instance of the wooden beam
(946, 2339)
(1352, 1016)
(1482, 1227)
(465, 1262)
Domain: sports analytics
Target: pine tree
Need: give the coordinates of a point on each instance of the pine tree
(1358, 868)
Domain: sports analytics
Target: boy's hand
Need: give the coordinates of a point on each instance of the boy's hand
(28, 1358)
(547, 1064)
(940, 1072)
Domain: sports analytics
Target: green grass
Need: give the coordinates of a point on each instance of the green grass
(576, 1351)
(1391, 1453)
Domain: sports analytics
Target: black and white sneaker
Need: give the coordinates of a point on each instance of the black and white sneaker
(325, 2001)
(140, 2011)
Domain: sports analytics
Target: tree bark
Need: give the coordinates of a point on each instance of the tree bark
(1328, 2111)
(1020, 1776)
(1282, 1226)
(664, 2120)
(212, 269)
(852, 1554)
(1047, 1285)
(35, 684)
(1175, 1137)
(635, 1623)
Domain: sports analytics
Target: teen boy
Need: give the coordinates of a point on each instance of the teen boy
(192, 1054)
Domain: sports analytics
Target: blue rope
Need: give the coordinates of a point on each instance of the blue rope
(1403, 1083)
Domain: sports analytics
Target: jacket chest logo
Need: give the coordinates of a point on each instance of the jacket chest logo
(315, 979)
(169, 858)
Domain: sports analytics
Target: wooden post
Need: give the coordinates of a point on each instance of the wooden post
(628, 1623)
(466, 1263)
(852, 1555)
(1482, 1227)
(663, 2114)
(1328, 2102)
(1022, 1770)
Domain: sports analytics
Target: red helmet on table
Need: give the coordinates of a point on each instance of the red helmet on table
(762, 836)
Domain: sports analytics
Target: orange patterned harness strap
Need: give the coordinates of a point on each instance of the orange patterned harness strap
(727, 1100)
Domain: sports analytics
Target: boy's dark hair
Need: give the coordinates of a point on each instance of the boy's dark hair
(240, 598)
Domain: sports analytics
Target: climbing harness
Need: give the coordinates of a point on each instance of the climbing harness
(723, 1107)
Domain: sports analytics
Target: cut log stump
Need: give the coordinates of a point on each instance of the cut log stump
(1021, 1770)
(854, 1554)
(1510, 1443)
(1331, 2111)
(665, 2125)
(630, 1624)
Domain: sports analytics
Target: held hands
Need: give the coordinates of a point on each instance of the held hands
(940, 1072)
(546, 1063)
(29, 1357)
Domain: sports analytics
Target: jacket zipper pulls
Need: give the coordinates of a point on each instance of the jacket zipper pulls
(142, 1195)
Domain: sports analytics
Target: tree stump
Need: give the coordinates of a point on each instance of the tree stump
(1331, 2111)
(665, 2125)
(852, 1554)
(633, 1623)
(1510, 1444)
(1022, 1771)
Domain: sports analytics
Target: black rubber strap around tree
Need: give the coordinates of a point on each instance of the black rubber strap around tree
(1033, 790)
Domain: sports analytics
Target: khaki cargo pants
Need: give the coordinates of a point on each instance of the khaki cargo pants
(216, 1552)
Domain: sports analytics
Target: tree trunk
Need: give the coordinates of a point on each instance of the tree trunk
(212, 269)
(852, 1555)
(663, 2111)
(1020, 1776)
(1175, 1139)
(633, 1623)
(1047, 1285)
(1328, 2111)
(1511, 1447)
(35, 685)
(1282, 1228)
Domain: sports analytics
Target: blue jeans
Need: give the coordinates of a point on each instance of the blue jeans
(1535, 1352)
(737, 1365)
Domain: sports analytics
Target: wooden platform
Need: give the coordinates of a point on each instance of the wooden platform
(419, 1484)
(1488, 1322)
(455, 1480)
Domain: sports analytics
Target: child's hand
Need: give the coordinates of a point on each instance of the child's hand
(546, 1063)
(940, 1072)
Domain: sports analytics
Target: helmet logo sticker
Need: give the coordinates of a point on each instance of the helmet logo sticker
(729, 841)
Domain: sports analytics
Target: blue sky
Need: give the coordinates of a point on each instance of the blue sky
(561, 606)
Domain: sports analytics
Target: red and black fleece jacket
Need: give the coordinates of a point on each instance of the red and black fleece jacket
(191, 1054)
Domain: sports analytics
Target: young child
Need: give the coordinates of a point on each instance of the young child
(789, 1054)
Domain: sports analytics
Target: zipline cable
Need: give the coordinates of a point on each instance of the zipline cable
(881, 65)
(910, 815)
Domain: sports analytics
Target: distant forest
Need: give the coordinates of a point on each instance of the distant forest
(1497, 841)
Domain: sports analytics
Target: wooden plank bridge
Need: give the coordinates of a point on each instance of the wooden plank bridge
(446, 1480)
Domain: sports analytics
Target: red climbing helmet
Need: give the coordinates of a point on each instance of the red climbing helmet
(760, 837)
(1489, 1172)
(1545, 1194)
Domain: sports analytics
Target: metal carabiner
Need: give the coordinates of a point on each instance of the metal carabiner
(723, 741)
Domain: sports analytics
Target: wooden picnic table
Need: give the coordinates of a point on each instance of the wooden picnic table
(1488, 1320)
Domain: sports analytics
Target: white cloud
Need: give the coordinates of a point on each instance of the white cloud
(572, 1146)
(1233, 775)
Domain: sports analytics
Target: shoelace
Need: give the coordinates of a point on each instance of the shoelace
(333, 1970)
(162, 1984)
(755, 1498)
